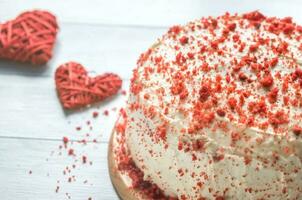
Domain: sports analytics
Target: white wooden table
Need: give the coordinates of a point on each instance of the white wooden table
(103, 36)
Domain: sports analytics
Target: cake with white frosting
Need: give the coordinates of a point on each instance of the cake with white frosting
(215, 110)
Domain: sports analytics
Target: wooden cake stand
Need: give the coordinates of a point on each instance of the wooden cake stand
(124, 191)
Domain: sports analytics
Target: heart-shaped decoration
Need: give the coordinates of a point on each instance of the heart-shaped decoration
(29, 38)
(76, 89)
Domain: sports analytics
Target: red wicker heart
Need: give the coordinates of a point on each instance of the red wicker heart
(29, 38)
(76, 89)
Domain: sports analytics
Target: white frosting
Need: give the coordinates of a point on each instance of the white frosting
(263, 163)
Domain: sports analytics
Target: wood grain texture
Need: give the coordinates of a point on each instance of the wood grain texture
(147, 12)
(133, 12)
(18, 157)
(104, 36)
(98, 48)
(30, 109)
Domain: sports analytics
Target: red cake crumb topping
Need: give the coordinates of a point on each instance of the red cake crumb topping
(127, 165)
(255, 65)
(267, 81)
(254, 16)
(297, 130)
(224, 79)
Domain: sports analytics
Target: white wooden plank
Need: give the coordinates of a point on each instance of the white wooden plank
(99, 48)
(19, 157)
(103, 36)
(30, 108)
(147, 12)
(134, 12)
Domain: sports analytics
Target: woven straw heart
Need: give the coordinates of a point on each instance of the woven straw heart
(76, 89)
(29, 38)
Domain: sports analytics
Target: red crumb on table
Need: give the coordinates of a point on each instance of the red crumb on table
(69, 179)
(84, 159)
(106, 112)
(95, 114)
(71, 152)
(123, 92)
(297, 130)
(78, 144)
(65, 140)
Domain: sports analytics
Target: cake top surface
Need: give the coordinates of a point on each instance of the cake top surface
(215, 109)
(244, 69)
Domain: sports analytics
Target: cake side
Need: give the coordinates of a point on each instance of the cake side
(215, 109)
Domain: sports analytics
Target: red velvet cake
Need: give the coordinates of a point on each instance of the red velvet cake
(215, 112)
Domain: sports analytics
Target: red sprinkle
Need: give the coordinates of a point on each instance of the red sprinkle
(65, 140)
(232, 102)
(218, 158)
(71, 152)
(123, 92)
(267, 81)
(278, 118)
(161, 132)
(84, 159)
(221, 112)
(95, 114)
(232, 26)
(254, 47)
(254, 16)
(273, 95)
(204, 92)
(183, 40)
(106, 113)
(274, 62)
(57, 189)
(175, 29)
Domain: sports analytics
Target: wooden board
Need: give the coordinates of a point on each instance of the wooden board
(146, 13)
(20, 156)
(104, 36)
(124, 191)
